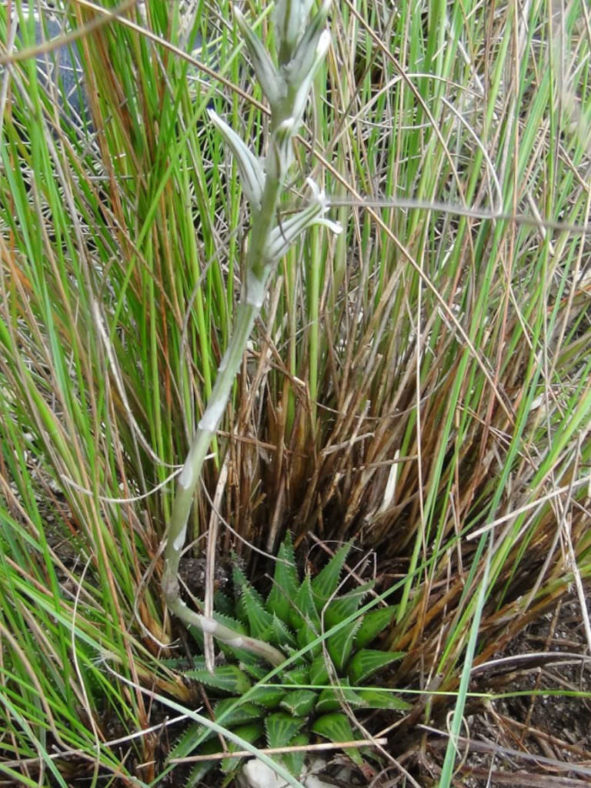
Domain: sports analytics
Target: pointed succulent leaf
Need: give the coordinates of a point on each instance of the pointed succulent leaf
(336, 728)
(281, 728)
(334, 698)
(265, 634)
(267, 697)
(344, 606)
(252, 606)
(189, 740)
(240, 582)
(306, 635)
(294, 761)
(305, 618)
(299, 703)
(223, 604)
(227, 678)
(230, 712)
(271, 82)
(285, 581)
(250, 168)
(326, 581)
(382, 699)
(228, 779)
(251, 733)
(319, 671)
(203, 767)
(367, 661)
(281, 635)
(373, 623)
(296, 676)
(175, 663)
(304, 612)
(340, 644)
(254, 669)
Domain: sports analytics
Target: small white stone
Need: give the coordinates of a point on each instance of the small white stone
(256, 774)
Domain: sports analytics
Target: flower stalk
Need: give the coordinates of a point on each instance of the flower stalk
(302, 45)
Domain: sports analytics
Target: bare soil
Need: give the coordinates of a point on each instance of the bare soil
(533, 739)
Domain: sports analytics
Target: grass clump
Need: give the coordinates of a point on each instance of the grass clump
(418, 385)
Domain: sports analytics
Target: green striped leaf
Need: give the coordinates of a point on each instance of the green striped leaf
(243, 712)
(305, 607)
(319, 671)
(251, 606)
(382, 699)
(344, 606)
(250, 733)
(255, 670)
(297, 676)
(305, 619)
(340, 645)
(227, 678)
(373, 623)
(367, 661)
(195, 736)
(326, 582)
(299, 703)
(203, 767)
(294, 761)
(285, 581)
(333, 698)
(336, 728)
(281, 728)
(268, 697)
(281, 635)
(223, 603)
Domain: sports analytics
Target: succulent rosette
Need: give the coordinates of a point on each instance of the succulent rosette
(327, 639)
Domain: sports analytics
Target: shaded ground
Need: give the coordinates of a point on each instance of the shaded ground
(527, 740)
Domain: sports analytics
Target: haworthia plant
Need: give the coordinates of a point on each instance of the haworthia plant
(302, 44)
(329, 667)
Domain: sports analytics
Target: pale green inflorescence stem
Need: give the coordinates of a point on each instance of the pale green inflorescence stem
(302, 45)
